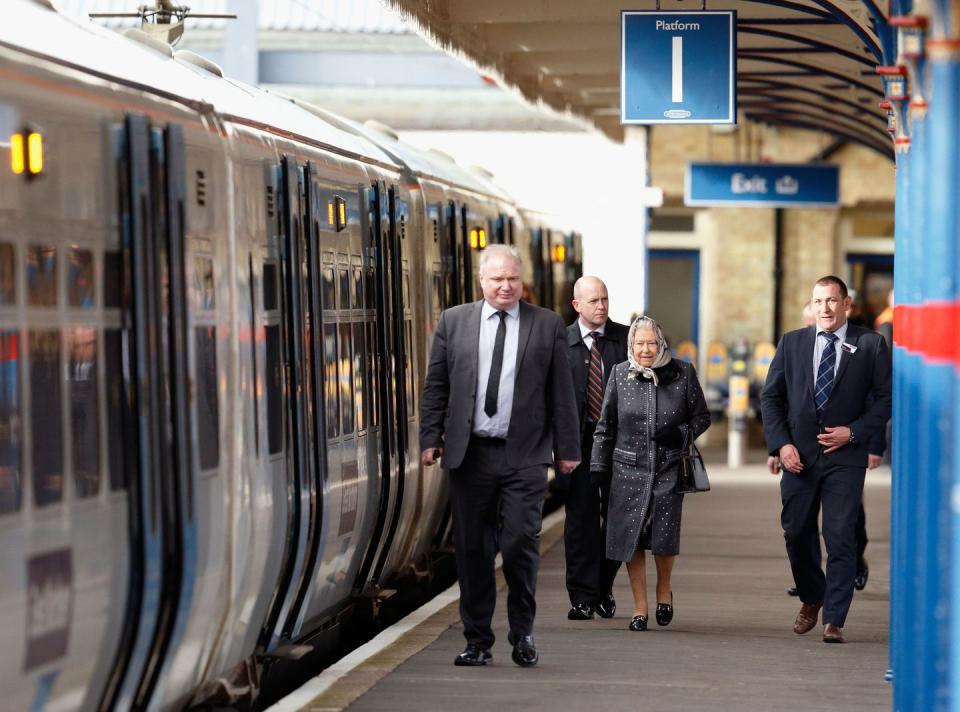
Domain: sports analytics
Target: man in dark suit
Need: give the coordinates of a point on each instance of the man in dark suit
(498, 406)
(595, 345)
(827, 394)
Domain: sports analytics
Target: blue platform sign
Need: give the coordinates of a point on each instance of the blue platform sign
(678, 67)
(765, 185)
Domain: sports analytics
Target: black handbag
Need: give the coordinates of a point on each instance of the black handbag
(692, 475)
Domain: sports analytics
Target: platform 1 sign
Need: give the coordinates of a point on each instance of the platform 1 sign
(764, 185)
(678, 67)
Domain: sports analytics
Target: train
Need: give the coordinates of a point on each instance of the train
(216, 306)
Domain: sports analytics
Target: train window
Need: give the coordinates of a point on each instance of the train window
(274, 377)
(84, 418)
(45, 422)
(111, 279)
(269, 286)
(359, 375)
(408, 358)
(373, 364)
(80, 279)
(328, 294)
(208, 406)
(330, 379)
(113, 364)
(343, 275)
(346, 378)
(203, 283)
(371, 283)
(42, 275)
(10, 475)
(8, 274)
(357, 269)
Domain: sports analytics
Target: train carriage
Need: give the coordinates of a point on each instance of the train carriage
(216, 306)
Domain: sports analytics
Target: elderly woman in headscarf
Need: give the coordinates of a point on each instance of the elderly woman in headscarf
(652, 410)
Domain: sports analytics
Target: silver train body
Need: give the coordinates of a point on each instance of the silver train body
(215, 314)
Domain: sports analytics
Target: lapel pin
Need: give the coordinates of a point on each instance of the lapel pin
(849, 348)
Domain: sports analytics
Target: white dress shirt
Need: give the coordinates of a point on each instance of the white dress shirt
(821, 342)
(585, 332)
(497, 425)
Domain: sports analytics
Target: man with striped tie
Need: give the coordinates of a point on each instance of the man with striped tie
(596, 345)
(827, 394)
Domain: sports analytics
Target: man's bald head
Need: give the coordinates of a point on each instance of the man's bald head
(591, 301)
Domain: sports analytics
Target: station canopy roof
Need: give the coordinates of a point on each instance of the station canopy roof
(808, 64)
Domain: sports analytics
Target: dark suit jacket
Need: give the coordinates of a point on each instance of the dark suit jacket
(543, 421)
(613, 350)
(860, 398)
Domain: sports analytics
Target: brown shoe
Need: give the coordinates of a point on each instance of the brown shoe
(832, 634)
(806, 618)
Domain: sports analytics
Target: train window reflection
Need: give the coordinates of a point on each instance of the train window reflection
(343, 273)
(80, 279)
(328, 293)
(203, 283)
(208, 407)
(359, 376)
(111, 279)
(10, 474)
(269, 286)
(113, 367)
(346, 378)
(45, 423)
(330, 379)
(84, 419)
(357, 269)
(274, 376)
(42, 275)
(8, 274)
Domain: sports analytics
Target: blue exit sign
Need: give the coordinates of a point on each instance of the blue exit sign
(765, 185)
(678, 67)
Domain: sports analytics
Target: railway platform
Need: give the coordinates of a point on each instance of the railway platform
(729, 647)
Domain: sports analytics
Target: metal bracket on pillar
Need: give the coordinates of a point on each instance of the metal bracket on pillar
(895, 88)
(891, 118)
(911, 38)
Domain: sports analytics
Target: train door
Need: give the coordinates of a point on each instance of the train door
(674, 293)
(299, 412)
(151, 356)
(390, 378)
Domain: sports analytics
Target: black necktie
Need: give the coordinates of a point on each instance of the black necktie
(493, 382)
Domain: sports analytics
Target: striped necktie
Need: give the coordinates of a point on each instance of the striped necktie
(825, 372)
(595, 379)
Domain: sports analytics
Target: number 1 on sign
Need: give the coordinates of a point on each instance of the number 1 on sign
(677, 70)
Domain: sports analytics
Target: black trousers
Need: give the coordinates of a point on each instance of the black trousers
(590, 574)
(493, 503)
(839, 491)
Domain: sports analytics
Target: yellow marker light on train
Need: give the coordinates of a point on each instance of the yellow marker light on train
(330, 213)
(483, 238)
(559, 253)
(18, 159)
(474, 238)
(343, 213)
(35, 153)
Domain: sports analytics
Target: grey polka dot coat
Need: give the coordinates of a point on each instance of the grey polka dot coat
(644, 512)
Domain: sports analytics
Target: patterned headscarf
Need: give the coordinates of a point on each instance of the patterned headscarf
(663, 349)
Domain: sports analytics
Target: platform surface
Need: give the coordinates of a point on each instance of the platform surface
(730, 646)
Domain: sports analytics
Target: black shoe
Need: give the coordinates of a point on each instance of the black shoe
(863, 573)
(580, 612)
(792, 591)
(638, 623)
(665, 612)
(524, 651)
(606, 606)
(473, 656)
